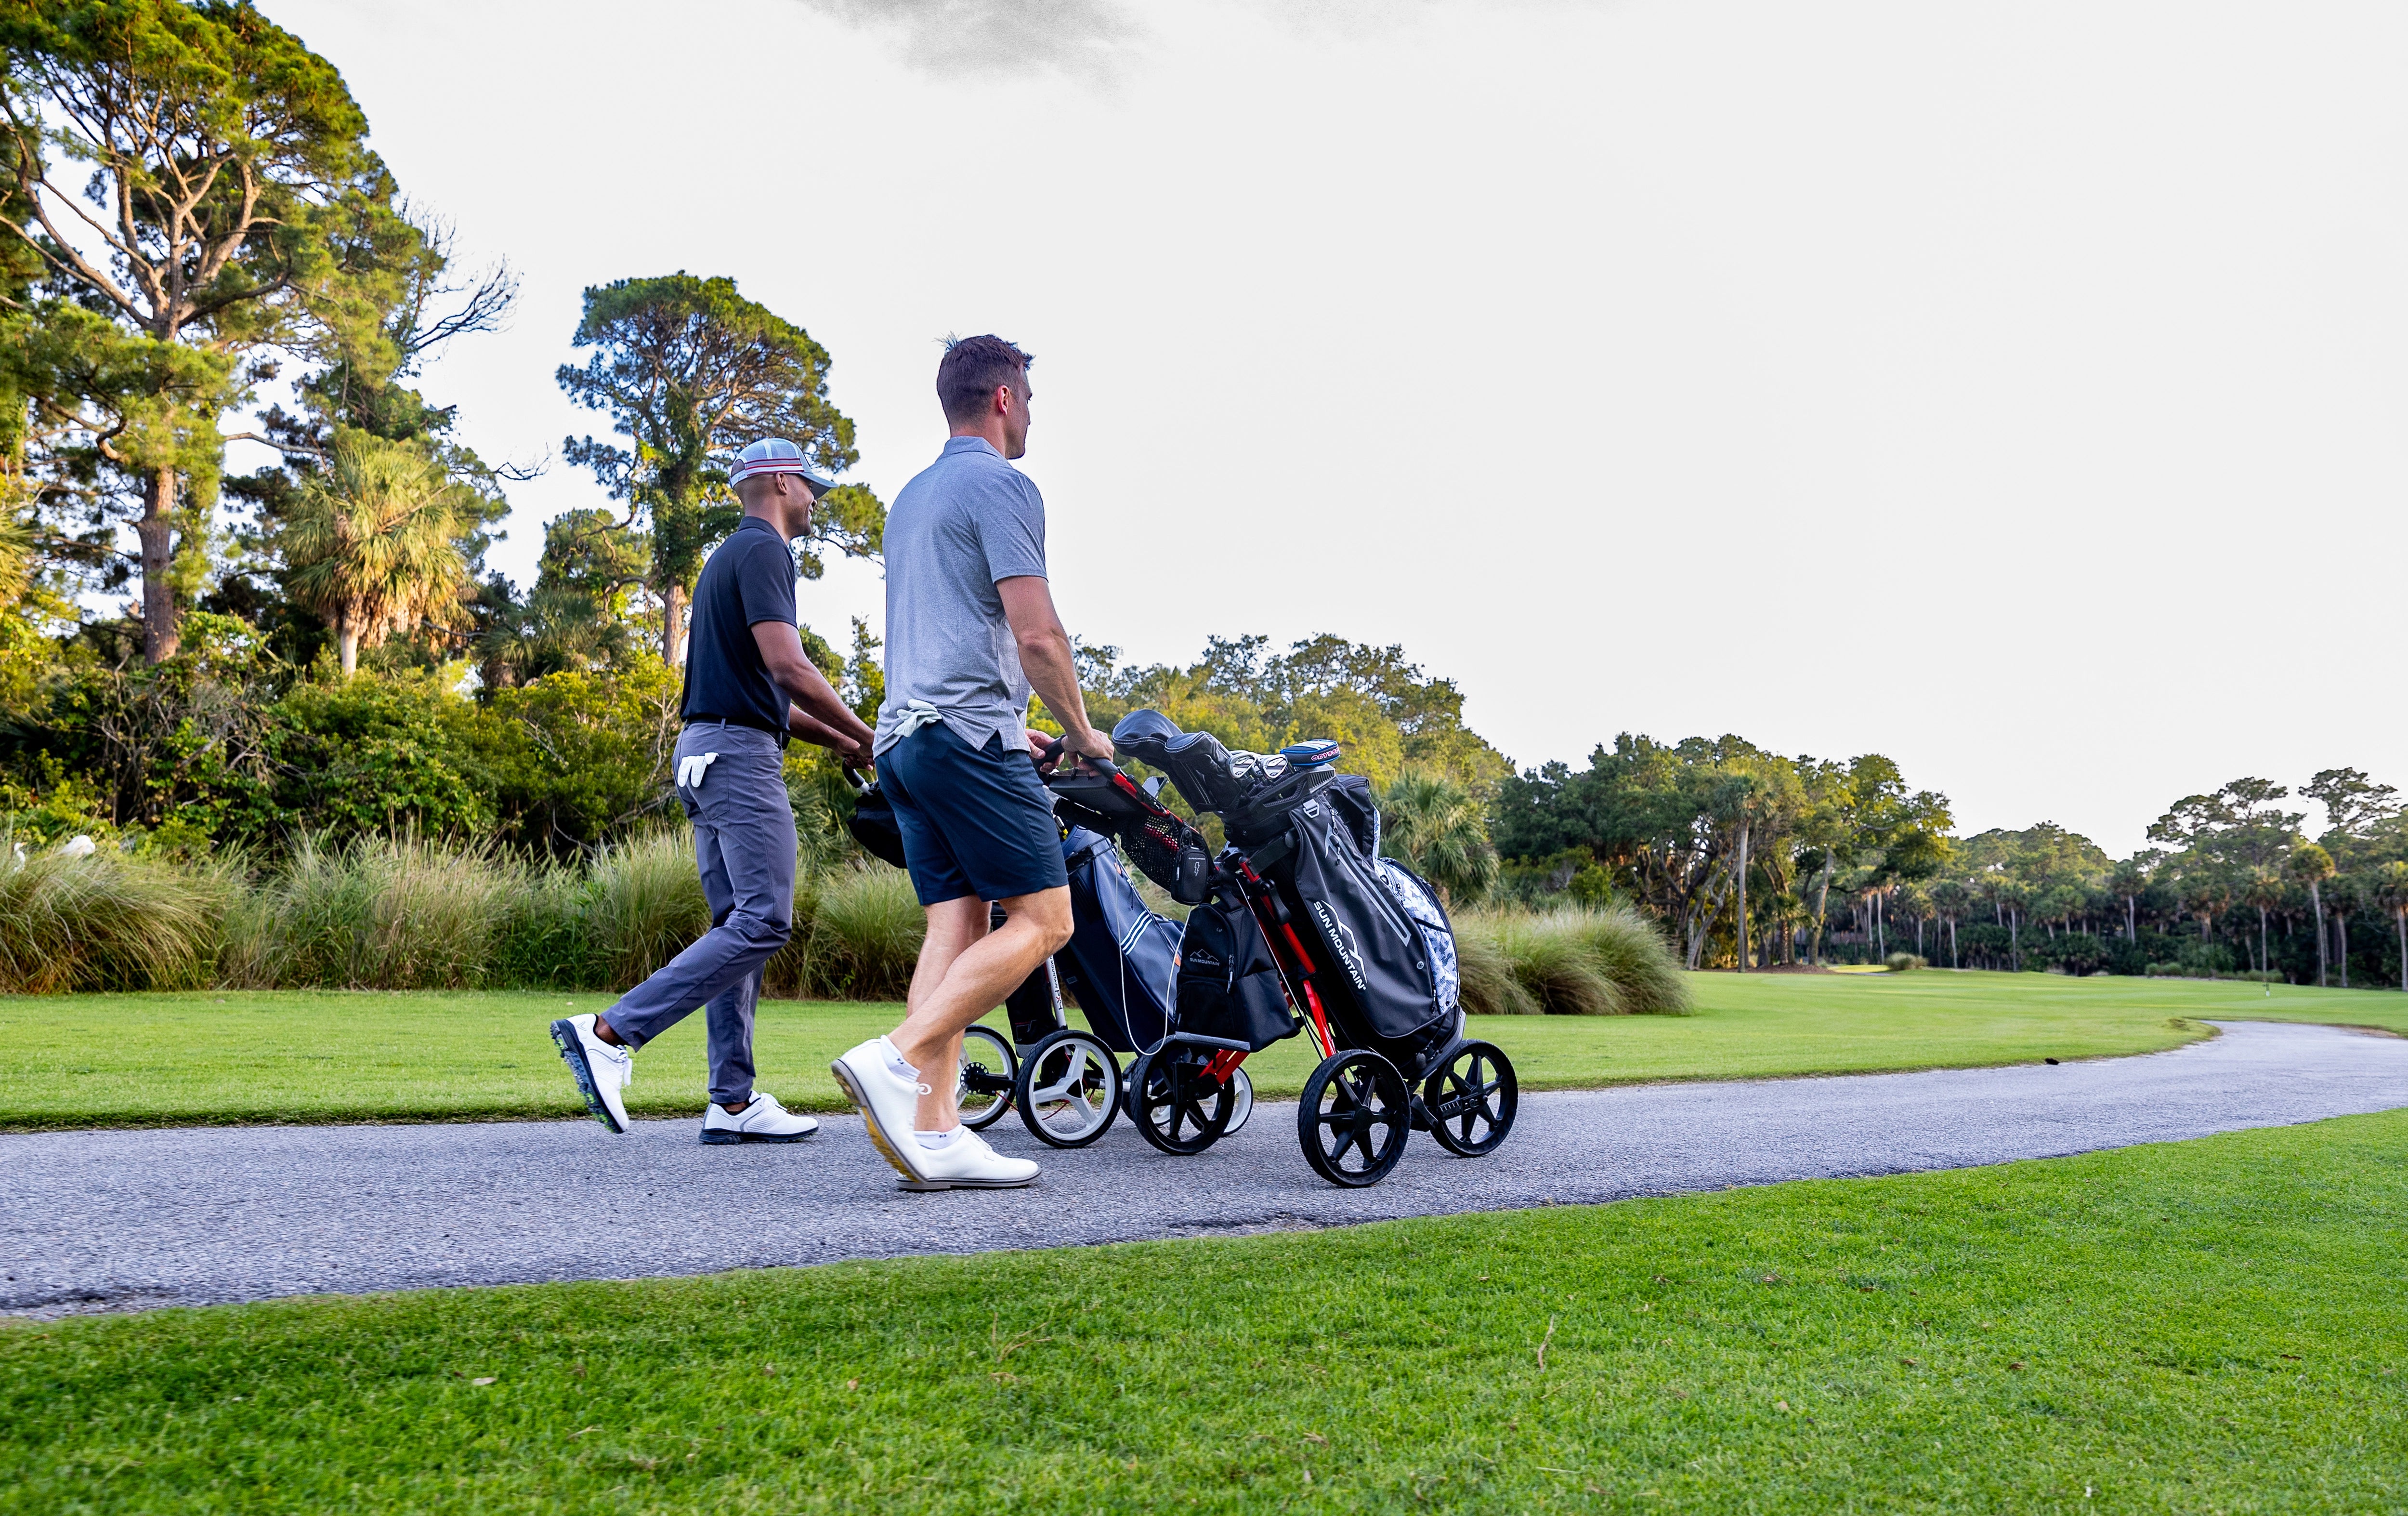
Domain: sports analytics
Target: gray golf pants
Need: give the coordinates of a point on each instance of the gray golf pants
(744, 847)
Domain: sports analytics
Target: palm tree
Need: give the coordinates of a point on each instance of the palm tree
(16, 557)
(1950, 898)
(2312, 865)
(2013, 897)
(2343, 888)
(373, 545)
(2264, 891)
(2390, 891)
(2206, 896)
(2127, 881)
(1441, 829)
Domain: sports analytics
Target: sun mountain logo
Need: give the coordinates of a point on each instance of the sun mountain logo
(1341, 938)
(1204, 957)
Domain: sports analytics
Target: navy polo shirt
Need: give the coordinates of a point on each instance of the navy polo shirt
(750, 578)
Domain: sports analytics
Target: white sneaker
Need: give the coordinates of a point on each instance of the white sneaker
(763, 1120)
(888, 1102)
(966, 1162)
(602, 1069)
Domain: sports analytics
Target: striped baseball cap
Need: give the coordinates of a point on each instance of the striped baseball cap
(776, 455)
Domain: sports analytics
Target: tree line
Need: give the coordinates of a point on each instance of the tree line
(1756, 860)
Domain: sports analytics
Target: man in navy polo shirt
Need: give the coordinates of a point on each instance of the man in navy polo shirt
(970, 629)
(748, 686)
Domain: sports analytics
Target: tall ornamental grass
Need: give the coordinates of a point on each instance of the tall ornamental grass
(405, 914)
(1489, 986)
(642, 905)
(105, 922)
(379, 914)
(1568, 962)
(865, 933)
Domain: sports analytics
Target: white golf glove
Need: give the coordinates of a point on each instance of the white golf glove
(690, 769)
(916, 714)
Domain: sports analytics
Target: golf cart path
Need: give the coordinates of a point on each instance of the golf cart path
(133, 1220)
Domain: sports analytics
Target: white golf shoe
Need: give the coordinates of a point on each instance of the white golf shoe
(888, 1101)
(601, 1069)
(966, 1162)
(763, 1120)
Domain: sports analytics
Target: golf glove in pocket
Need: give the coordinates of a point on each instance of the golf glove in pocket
(690, 769)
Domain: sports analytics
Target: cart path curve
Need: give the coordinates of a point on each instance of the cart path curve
(134, 1219)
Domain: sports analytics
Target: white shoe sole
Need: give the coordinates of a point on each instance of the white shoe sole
(869, 1123)
(572, 1052)
(920, 1185)
(718, 1137)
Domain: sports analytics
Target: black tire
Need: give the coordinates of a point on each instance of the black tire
(1355, 1117)
(990, 1074)
(1174, 1106)
(1470, 1100)
(1069, 1088)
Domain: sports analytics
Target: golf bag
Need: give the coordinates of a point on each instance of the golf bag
(1304, 842)
(1122, 962)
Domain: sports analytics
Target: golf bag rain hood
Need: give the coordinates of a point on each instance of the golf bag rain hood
(1123, 960)
(1386, 941)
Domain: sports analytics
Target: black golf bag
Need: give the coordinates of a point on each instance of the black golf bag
(1122, 963)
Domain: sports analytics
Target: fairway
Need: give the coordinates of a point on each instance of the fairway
(334, 1056)
(2203, 1326)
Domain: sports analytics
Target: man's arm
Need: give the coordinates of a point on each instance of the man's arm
(801, 724)
(782, 653)
(1045, 658)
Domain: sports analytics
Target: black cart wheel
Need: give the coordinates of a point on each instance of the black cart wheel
(989, 1070)
(1354, 1118)
(1175, 1105)
(1068, 1088)
(1470, 1099)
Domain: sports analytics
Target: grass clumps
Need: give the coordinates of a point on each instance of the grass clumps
(405, 913)
(104, 921)
(384, 914)
(641, 904)
(1568, 962)
(864, 935)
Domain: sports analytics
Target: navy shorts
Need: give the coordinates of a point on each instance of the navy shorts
(975, 820)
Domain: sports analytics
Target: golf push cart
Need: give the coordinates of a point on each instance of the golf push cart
(1297, 925)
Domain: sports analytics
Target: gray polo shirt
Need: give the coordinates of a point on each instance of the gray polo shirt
(963, 523)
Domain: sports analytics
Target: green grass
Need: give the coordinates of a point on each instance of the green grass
(2207, 1326)
(147, 1059)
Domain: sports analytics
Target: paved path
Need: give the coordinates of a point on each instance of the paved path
(128, 1220)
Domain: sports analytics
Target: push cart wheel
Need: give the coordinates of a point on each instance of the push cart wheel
(1067, 1089)
(989, 1069)
(1355, 1117)
(1470, 1099)
(1176, 1105)
(1245, 1103)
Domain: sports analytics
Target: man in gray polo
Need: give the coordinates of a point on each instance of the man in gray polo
(748, 686)
(970, 629)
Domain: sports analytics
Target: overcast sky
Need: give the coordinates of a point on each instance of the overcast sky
(2016, 391)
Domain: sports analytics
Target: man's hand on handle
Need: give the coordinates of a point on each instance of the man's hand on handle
(1050, 752)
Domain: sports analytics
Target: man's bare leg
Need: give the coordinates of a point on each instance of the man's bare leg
(954, 927)
(965, 971)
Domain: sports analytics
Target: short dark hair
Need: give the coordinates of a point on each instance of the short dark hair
(971, 369)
